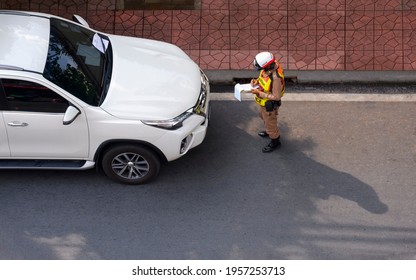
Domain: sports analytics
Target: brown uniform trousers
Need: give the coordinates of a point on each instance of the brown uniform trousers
(270, 122)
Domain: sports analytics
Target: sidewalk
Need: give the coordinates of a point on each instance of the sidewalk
(325, 97)
(297, 76)
(349, 86)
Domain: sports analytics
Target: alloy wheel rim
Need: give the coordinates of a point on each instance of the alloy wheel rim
(130, 166)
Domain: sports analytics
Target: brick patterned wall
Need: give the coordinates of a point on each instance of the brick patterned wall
(226, 34)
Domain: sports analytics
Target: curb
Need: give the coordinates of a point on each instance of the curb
(229, 77)
(325, 97)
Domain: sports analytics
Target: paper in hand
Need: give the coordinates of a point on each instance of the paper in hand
(242, 88)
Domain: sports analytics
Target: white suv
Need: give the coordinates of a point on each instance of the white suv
(75, 98)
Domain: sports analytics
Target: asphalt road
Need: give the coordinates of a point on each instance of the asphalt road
(343, 186)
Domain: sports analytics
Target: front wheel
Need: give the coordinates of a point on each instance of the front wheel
(130, 164)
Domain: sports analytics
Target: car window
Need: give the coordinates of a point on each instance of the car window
(73, 63)
(32, 97)
(3, 100)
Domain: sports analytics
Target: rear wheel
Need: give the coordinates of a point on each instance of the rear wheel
(130, 164)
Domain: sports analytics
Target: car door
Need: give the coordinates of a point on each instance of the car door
(34, 123)
(4, 142)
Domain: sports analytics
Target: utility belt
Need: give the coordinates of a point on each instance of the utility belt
(270, 105)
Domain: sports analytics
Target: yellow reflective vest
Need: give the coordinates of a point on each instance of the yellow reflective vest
(266, 85)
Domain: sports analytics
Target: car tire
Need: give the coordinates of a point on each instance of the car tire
(130, 164)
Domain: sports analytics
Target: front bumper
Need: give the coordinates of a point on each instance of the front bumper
(176, 143)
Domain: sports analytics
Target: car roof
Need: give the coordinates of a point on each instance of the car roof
(24, 40)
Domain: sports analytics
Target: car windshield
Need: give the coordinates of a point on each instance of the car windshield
(78, 61)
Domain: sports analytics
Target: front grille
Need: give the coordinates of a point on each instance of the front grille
(201, 105)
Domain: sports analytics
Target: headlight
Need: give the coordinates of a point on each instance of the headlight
(171, 124)
(200, 108)
(201, 104)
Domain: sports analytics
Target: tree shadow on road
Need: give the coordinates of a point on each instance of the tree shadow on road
(232, 153)
(224, 200)
(259, 201)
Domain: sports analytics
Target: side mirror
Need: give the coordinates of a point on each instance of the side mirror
(80, 20)
(71, 114)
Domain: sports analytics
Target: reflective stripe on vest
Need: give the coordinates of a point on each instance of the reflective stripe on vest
(267, 84)
(282, 79)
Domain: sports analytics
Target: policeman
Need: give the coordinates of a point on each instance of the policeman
(268, 88)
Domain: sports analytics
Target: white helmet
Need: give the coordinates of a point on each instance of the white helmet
(263, 60)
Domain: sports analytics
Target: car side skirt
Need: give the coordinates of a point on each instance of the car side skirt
(46, 164)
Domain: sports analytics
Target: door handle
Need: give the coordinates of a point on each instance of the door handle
(14, 124)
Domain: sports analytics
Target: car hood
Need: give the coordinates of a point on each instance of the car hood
(151, 80)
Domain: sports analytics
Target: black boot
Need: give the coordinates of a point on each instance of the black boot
(273, 145)
(263, 134)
